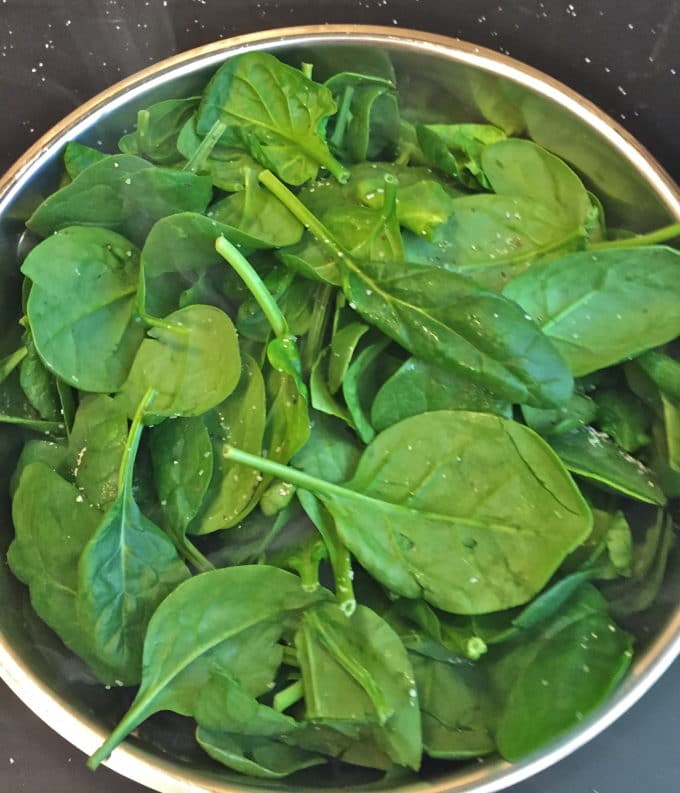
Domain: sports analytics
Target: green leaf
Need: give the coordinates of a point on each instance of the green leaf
(594, 456)
(81, 306)
(257, 216)
(52, 525)
(332, 451)
(578, 411)
(194, 363)
(182, 458)
(96, 447)
(38, 383)
(457, 710)
(499, 548)
(367, 123)
(446, 320)
(78, 157)
(126, 570)
(559, 677)
(595, 307)
(158, 128)
(273, 111)
(343, 346)
(623, 417)
(238, 421)
(221, 621)
(122, 193)
(372, 367)
(356, 668)
(419, 387)
(521, 168)
(456, 150)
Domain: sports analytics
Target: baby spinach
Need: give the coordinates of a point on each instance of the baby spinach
(239, 421)
(221, 621)
(53, 523)
(275, 112)
(437, 290)
(419, 387)
(123, 193)
(398, 504)
(577, 659)
(126, 570)
(193, 362)
(82, 306)
(595, 307)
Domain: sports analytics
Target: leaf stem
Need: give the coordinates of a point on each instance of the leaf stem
(307, 69)
(652, 238)
(37, 425)
(142, 129)
(343, 117)
(10, 363)
(352, 666)
(390, 198)
(255, 284)
(289, 696)
(205, 149)
(157, 322)
(307, 218)
(127, 462)
(191, 554)
(287, 474)
(315, 335)
(290, 656)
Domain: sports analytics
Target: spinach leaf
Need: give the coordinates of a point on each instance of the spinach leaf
(456, 149)
(557, 677)
(499, 550)
(638, 591)
(331, 452)
(446, 320)
(355, 668)
(158, 128)
(225, 165)
(578, 411)
(457, 710)
(51, 453)
(594, 456)
(274, 112)
(78, 157)
(126, 570)
(182, 458)
(372, 367)
(419, 387)
(52, 525)
(215, 622)
(122, 193)
(521, 168)
(257, 216)
(193, 362)
(238, 421)
(179, 248)
(81, 306)
(595, 307)
(343, 346)
(38, 383)
(367, 124)
(623, 417)
(96, 447)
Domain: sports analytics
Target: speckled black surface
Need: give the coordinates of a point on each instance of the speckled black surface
(622, 54)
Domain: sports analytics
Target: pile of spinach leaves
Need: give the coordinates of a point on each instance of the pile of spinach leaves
(335, 424)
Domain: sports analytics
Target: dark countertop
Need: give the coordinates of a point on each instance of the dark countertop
(622, 54)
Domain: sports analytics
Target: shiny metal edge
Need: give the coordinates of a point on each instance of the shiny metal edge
(163, 775)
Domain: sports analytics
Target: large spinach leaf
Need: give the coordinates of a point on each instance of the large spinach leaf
(595, 307)
(126, 569)
(275, 112)
(81, 306)
(483, 550)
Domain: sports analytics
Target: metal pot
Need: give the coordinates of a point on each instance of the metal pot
(440, 76)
